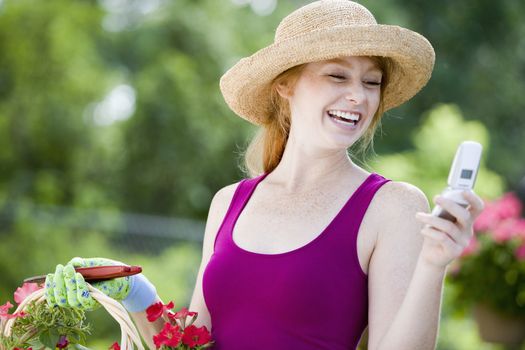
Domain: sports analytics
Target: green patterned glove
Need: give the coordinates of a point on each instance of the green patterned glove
(68, 288)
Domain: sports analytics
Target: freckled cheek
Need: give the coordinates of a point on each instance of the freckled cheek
(373, 101)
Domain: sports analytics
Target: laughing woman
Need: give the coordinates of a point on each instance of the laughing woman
(311, 249)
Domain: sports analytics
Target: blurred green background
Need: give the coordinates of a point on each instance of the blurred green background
(114, 136)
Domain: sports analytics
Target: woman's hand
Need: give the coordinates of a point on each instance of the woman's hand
(68, 288)
(445, 240)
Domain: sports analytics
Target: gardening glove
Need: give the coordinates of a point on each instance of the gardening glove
(68, 288)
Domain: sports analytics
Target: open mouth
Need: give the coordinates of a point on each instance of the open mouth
(347, 118)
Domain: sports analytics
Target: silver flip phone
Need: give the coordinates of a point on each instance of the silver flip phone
(462, 176)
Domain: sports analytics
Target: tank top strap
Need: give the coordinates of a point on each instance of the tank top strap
(240, 197)
(359, 203)
(366, 193)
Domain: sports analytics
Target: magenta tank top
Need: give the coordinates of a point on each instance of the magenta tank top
(313, 297)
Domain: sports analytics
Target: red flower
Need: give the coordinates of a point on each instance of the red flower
(182, 314)
(169, 335)
(114, 346)
(156, 310)
(194, 336)
(26, 290)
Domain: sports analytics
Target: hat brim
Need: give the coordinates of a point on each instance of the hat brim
(246, 85)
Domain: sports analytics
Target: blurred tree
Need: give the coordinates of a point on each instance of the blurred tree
(480, 66)
(50, 70)
(428, 162)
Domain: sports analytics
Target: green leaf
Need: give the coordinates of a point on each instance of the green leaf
(49, 338)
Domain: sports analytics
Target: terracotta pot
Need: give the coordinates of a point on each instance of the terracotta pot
(494, 327)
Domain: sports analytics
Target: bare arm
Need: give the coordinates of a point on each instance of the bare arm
(218, 208)
(404, 291)
(146, 328)
(409, 264)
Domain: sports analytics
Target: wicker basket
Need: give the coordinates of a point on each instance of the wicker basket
(129, 335)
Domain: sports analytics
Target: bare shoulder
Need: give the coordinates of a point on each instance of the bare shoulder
(393, 207)
(222, 199)
(403, 196)
(218, 208)
(397, 200)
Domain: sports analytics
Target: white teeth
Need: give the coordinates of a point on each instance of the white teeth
(345, 115)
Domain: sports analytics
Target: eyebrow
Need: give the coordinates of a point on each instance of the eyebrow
(346, 64)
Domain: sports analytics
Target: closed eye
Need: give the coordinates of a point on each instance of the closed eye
(336, 76)
(373, 83)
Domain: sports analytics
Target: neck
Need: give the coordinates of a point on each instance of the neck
(302, 168)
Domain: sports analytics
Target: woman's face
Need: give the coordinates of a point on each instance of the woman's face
(334, 101)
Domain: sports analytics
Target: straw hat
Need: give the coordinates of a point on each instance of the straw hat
(323, 30)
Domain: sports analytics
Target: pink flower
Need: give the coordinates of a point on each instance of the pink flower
(156, 310)
(24, 291)
(6, 316)
(5, 308)
(508, 229)
(507, 207)
(487, 219)
(520, 228)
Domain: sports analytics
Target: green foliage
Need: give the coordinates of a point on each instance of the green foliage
(493, 265)
(427, 165)
(44, 325)
(480, 55)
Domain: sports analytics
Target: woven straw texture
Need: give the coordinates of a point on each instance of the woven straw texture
(323, 30)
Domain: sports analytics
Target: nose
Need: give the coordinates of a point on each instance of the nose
(355, 93)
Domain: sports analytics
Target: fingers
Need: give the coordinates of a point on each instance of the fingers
(461, 214)
(71, 286)
(59, 287)
(476, 203)
(444, 239)
(49, 290)
(67, 288)
(77, 262)
(83, 296)
(445, 226)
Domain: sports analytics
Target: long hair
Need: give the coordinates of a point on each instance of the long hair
(266, 148)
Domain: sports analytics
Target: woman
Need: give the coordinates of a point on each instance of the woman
(313, 248)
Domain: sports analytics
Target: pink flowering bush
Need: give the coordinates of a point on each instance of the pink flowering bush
(491, 269)
(40, 326)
